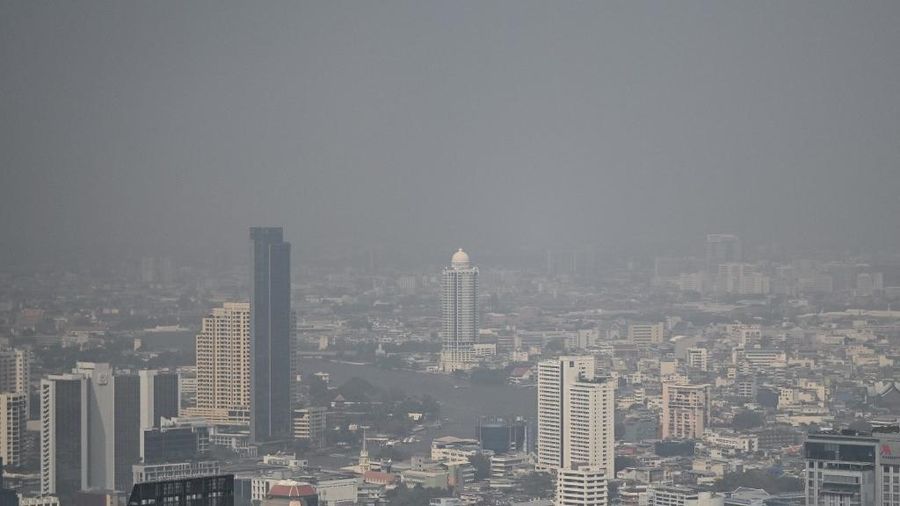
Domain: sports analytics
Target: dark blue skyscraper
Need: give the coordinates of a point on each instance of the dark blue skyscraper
(270, 322)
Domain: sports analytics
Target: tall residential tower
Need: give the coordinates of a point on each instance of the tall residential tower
(459, 309)
(576, 428)
(575, 415)
(223, 366)
(270, 334)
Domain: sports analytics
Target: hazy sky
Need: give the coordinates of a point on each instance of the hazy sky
(172, 126)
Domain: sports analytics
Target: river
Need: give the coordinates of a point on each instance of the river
(461, 403)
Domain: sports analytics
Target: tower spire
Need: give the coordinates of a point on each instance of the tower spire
(364, 455)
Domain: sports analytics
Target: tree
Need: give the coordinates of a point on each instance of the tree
(391, 453)
(537, 485)
(612, 490)
(357, 390)
(623, 462)
(758, 478)
(318, 391)
(747, 420)
(430, 406)
(482, 465)
(415, 496)
(554, 346)
(674, 448)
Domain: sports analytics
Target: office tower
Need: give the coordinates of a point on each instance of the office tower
(61, 423)
(309, 426)
(685, 412)
(722, 249)
(459, 310)
(575, 415)
(160, 396)
(645, 334)
(223, 366)
(270, 345)
(15, 371)
(581, 486)
(502, 435)
(175, 440)
(698, 358)
(110, 426)
(202, 491)
(90, 430)
(13, 417)
(849, 467)
(852, 468)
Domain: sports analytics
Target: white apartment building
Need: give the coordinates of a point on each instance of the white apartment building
(581, 486)
(576, 428)
(15, 371)
(13, 417)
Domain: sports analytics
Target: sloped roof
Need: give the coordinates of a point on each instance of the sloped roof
(291, 491)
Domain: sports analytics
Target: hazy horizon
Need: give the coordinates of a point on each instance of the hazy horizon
(170, 128)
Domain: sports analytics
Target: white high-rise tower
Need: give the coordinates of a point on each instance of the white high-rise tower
(459, 308)
(576, 424)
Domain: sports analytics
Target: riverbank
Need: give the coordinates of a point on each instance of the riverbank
(461, 402)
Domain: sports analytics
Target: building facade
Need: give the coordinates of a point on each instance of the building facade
(675, 495)
(223, 366)
(685, 412)
(160, 396)
(202, 491)
(13, 417)
(309, 426)
(502, 435)
(645, 334)
(61, 450)
(90, 430)
(852, 469)
(15, 371)
(459, 311)
(143, 473)
(575, 415)
(698, 358)
(270, 336)
(581, 486)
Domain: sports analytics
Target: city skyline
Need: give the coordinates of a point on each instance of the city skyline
(428, 253)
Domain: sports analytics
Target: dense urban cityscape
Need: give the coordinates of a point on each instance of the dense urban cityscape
(727, 379)
(449, 253)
